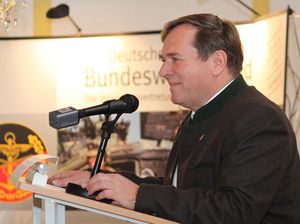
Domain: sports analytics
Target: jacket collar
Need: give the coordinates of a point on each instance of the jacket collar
(213, 106)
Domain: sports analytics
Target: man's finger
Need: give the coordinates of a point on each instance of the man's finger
(60, 182)
(108, 194)
(99, 185)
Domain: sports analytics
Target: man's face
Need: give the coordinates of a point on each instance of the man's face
(189, 77)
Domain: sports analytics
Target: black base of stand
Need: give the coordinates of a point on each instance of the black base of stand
(79, 191)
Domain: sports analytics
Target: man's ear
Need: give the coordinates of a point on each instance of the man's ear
(219, 62)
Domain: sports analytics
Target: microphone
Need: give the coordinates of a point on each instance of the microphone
(70, 116)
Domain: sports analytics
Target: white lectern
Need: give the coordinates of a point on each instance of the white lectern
(55, 199)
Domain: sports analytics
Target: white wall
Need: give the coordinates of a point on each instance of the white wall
(115, 16)
(139, 15)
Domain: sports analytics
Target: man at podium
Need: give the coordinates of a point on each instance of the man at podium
(234, 159)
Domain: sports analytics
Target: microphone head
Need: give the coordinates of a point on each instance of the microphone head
(63, 118)
(131, 102)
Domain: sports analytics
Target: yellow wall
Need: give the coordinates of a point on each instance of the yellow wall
(41, 24)
(261, 6)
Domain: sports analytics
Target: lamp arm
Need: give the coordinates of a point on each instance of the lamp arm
(248, 7)
(77, 27)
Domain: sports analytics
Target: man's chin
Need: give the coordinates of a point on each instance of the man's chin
(175, 100)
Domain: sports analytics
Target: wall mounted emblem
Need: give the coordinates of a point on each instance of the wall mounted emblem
(17, 143)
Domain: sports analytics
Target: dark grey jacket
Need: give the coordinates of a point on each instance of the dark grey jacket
(237, 163)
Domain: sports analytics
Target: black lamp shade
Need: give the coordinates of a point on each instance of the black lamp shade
(59, 11)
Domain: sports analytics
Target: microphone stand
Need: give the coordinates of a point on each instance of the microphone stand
(107, 128)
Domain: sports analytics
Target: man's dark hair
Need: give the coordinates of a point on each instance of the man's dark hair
(213, 34)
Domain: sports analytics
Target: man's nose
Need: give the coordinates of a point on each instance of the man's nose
(164, 70)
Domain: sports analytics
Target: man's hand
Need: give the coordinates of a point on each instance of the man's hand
(113, 186)
(75, 176)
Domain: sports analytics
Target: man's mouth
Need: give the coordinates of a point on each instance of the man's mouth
(172, 84)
